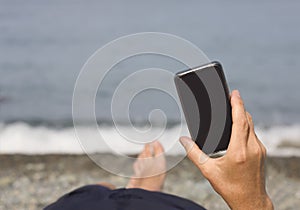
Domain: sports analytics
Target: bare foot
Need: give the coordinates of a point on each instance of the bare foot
(149, 168)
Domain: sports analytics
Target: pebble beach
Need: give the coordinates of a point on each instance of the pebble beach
(32, 182)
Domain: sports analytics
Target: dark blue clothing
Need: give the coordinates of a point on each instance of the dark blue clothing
(96, 197)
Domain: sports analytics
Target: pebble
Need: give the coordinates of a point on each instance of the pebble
(29, 182)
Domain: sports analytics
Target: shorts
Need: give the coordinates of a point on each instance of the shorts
(96, 197)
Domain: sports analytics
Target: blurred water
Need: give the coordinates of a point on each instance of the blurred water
(44, 44)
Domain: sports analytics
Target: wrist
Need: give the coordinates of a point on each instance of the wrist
(261, 204)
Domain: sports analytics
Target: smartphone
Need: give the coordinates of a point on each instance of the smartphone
(205, 100)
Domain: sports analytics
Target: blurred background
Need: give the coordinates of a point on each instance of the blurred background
(44, 44)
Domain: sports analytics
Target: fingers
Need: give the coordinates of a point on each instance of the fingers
(250, 122)
(263, 148)
(252, 132)
(240, 124)
(158, 148)
(198, 157)
(152, 149)
(243, 127)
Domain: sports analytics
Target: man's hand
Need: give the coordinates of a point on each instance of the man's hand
(239, 175)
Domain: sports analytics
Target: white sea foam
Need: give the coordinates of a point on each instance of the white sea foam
(22, 138)
(25, 139)
(281, 140)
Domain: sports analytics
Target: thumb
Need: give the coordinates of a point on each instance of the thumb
(194, 153)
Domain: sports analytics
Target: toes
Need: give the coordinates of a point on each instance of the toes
(158, 148)
(148, 150)
(145, 153)
(152, 149)
(137, 168)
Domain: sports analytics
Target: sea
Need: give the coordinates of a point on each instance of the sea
(45, 44)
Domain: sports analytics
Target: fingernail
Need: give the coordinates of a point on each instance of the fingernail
(182, 141)
(238, 93)
(185, 143)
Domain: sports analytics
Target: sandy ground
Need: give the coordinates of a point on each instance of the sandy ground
(31, 182)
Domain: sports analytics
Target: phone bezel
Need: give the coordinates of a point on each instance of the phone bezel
(218, 67)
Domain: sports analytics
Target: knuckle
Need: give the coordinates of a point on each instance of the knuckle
(244, 124)
(240, 157)
(205, 172)
(241, 160)
(256, 151)
(193, 157)
(262, 147)
(264, 150)
(249, 116)
(189, 155)
(240, 102)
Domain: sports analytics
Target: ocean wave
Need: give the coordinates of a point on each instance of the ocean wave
(22, 138)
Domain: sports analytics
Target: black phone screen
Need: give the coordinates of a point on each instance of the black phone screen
(204, 96)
